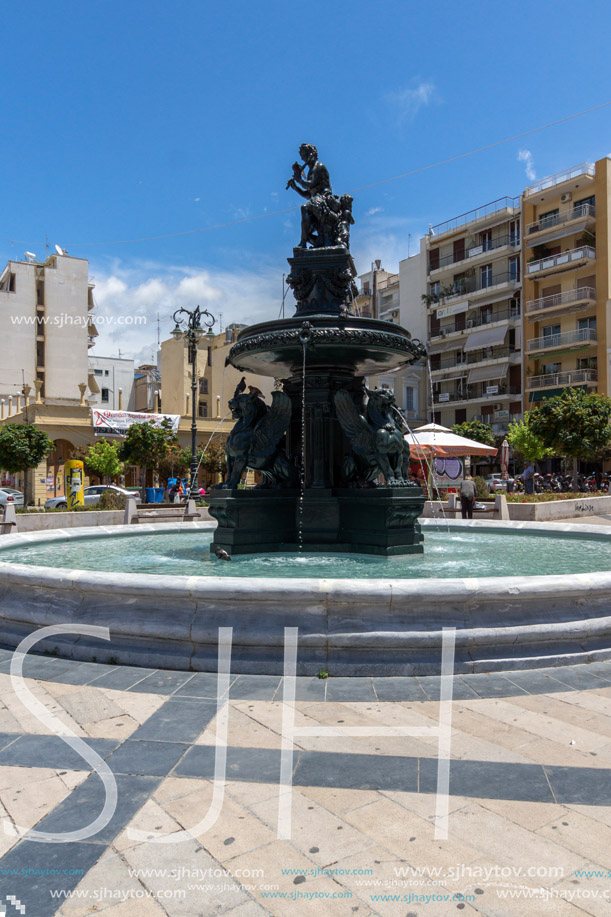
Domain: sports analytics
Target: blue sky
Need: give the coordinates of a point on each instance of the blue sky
(132, 120)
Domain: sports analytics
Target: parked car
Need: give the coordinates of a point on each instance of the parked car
(92, 495)
(495, 482)
(10, 495)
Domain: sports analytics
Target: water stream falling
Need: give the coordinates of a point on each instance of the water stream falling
(302, 472)
(429, 464)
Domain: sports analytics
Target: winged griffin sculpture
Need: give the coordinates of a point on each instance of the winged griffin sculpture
(377, 442)
(255, 441)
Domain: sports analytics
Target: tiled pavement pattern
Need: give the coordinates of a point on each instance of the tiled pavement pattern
(530, 789)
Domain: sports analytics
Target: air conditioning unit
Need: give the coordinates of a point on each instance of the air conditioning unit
(566, 197)
(497, 407)
(469, 323)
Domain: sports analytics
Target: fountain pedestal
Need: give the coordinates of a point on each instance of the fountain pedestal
(380, 520)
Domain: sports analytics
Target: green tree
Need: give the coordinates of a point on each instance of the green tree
(214, 460)
(22, 446)
(525, 443)
(102, 458)
(147, 445)
(476, 430)
(176, 463)
(574, 424)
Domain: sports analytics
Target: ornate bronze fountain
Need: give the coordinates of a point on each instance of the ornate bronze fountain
(331, 453)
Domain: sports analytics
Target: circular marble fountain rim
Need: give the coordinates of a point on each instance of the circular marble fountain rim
(176, 584)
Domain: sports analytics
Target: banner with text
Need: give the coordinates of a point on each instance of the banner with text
(117, 423)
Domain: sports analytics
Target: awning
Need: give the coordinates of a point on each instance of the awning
(486, 337)
(542, 394)
(483, 373)
(451, 378)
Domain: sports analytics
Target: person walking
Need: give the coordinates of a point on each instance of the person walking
(528, 477)
(467, 497)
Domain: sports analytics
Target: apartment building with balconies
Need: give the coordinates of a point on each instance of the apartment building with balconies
(473, 309)
(566, 281)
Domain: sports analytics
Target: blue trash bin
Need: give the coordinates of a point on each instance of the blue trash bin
(159, 492)
(150, 494)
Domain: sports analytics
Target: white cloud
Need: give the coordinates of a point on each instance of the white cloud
(136, 292)
(374, 210)
(526, 157)
(408, 102)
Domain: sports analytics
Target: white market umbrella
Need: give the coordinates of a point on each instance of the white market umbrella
(434, 439)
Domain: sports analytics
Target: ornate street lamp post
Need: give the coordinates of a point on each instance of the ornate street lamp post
(189, 326)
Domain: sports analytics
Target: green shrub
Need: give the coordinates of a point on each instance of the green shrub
(481, 488)
(109, 500)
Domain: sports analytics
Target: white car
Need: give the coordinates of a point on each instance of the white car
(92, 495)
(10, 495)
(495, 482)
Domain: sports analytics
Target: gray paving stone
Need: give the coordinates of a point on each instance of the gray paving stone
(256, 765)
(586, 786)
(7, 737)
(534, 682)
(162, 681)
(254, 687)
(85, 802)
(398, 689)
(579, 677)
(203, 684)
(177, 721)
(353, 771)
(51, 751)
(489, 780)
(124, 677)
(154, 759)
(34, 891)
(80, 673)
(350, 689)
(492, 685)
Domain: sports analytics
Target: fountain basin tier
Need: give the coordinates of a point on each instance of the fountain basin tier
(361, 346)
(347, 626)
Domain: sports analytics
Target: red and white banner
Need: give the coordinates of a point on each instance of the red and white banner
(117, 423)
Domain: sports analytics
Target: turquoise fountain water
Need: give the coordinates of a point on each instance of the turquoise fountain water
(447, 554)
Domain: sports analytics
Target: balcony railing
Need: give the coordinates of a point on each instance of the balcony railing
(584, 168)
(474, 250)
(503, 203)
(471, 285)
(559, 380)
(387, 282)
(557, 219)
(583, 335)
(554, 261)
(487, 318)
(473, 356)
(476, 391)
(561, 299)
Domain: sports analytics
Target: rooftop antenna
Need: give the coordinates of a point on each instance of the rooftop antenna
(158, 333)
(47, 244)
(409, 242)
(60, 250)
(220, 321)
(30, 256)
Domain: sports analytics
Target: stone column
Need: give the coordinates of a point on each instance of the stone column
(10, 405)
(2, 409)
(120, 399)
(82, 389)
(38, 387)
(26, 395)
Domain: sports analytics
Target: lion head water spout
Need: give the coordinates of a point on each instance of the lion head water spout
(332, 452)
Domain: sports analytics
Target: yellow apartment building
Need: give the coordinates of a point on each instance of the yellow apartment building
(566, 281)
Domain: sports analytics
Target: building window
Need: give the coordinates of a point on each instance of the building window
(98, 372)
(550, 369)
(203, 386)
(105, 396)
(434, 288)
(7, 285)
(580, 206)
(514, 269)
(203, 409)
(485, 276)
(486, 240)
(106, 372)
(548, 218)
(410, 399)
(584, 323)
(587, 363)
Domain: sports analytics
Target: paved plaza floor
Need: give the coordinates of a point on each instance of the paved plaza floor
(528, 830)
